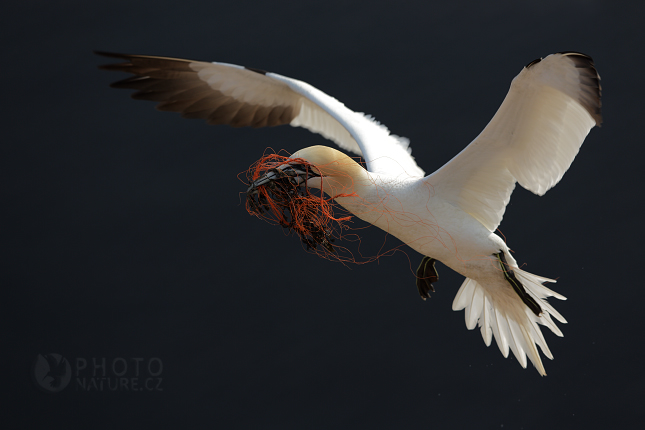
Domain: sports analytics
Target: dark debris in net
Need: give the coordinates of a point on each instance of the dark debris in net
(280, 194)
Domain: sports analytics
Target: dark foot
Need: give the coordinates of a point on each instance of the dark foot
(426, 275)
(517, 285)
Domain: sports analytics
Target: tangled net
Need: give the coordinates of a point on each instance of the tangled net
(278, 193)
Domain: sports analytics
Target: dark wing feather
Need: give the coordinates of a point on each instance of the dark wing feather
(178, 87)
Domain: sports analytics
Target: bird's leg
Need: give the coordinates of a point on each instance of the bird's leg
(426, 275)
(517, 285)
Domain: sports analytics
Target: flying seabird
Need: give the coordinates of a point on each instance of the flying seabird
(450, 215)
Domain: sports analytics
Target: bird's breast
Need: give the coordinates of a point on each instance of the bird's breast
(410, 211)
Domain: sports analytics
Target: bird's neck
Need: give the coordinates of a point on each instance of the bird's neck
(364, 194)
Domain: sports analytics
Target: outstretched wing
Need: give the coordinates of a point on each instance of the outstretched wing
(532, 139)
(229, 94)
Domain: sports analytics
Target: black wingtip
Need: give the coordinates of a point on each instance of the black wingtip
(591, 80)
(532, 63)
(576, 53)
(111, 54)
(114, 66)
(260, 71)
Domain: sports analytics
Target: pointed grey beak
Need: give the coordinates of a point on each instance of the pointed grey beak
(295, 172)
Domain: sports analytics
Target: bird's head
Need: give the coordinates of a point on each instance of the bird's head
(290, 191)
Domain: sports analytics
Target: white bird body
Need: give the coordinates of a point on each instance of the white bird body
(450, 215)
(409, 210)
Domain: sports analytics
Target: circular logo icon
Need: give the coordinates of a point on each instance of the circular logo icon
(52, 372)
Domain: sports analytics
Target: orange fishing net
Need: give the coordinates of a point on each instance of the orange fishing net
(279, 194)
(283, 191)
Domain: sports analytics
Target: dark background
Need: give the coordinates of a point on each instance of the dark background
(124, 232)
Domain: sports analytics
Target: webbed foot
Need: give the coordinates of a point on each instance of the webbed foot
(517, 285)
(426, 275)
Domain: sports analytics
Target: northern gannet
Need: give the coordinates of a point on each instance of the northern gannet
(448, 216)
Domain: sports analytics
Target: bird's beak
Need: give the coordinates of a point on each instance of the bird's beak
(294, 174)
(279, 192)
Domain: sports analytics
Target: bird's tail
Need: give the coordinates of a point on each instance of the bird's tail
(506, 316)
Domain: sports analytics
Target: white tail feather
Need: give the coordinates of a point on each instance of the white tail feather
(511, 322)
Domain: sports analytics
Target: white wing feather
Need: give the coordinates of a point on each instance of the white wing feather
(317, 112)
(532, 139)
(223, 93)
(383, 152)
